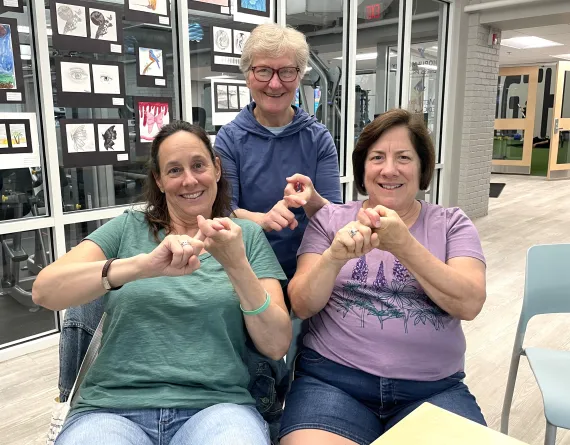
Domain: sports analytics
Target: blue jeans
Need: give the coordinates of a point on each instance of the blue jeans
(222, 424)
(360, 406)
(269, 378)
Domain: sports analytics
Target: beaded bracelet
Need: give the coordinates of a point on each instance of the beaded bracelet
(261, 308)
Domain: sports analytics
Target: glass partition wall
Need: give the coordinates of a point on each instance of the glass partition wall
(98, 78)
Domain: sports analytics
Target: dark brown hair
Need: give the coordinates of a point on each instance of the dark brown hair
(419, 136)
(156, 211)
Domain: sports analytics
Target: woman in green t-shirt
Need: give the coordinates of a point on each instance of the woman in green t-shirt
(182, 288)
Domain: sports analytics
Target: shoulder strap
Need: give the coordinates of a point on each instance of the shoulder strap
(90, 356)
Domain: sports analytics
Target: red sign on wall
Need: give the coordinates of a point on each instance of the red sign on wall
(373, 11)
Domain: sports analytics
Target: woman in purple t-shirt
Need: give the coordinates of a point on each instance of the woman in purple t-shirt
(385, 283)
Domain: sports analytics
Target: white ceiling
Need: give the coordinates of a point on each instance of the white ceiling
(556, 33)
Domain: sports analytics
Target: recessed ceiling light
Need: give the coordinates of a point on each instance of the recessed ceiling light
(562, 56)
(526, 42)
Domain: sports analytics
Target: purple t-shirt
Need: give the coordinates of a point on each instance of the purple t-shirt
(379, 319)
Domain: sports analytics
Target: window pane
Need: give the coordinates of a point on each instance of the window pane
(427, 59)
(75, 233)
(566, 96)
(24, 254)
(103, 164)
(22, 186)
(320, 93)
(218, 86)
(512, 95)
(376, 62)
(563, 148)
(508, 145)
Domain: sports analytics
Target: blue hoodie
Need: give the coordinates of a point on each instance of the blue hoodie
(256, 163)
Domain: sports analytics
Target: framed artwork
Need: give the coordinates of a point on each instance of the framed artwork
(222, 40)
(19, 143)
(148, 11)
(11, 6)
(239, 37)
(86, 84)
(11, 75)
(254, 7)
(90, 142)
(252, 11)
(151, 114)
(216, 6)
(244, 96)
(227, 47)
(229, 98)
(86, 26)
(150, 67)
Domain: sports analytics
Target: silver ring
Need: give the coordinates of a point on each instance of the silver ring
(352, 232)
(184, 243)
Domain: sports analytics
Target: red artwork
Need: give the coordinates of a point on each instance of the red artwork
(152, 117)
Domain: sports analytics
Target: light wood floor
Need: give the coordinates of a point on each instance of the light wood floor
(529, 211)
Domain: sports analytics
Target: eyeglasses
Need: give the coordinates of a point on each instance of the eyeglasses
(265, 74)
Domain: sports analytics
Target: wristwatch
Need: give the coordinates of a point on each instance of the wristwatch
(104, 278)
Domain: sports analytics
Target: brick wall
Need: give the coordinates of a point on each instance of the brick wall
(482, 69)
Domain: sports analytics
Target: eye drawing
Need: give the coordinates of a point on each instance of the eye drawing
(77, 74)
(104, 78)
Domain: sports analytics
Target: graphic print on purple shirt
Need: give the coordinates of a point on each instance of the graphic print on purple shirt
(402, 298)
(378, 318)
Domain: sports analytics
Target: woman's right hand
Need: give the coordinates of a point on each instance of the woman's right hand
(278, 218)
(346, 247)
(175, 256)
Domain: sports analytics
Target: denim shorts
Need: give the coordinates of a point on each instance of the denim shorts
(359, 406)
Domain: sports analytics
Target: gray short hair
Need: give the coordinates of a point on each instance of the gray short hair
(275, 40)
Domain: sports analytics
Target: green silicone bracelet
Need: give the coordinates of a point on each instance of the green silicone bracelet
(260, 309)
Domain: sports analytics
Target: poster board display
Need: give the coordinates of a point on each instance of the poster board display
(19, 141)
(227, 46)
(86, 26)
(88, 83)
(91, 142)
(229, 97)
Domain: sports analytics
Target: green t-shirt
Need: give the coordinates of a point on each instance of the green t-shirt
(172, 342)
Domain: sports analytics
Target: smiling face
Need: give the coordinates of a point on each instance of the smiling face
(392, 170)
(273, 98)
(188, 176)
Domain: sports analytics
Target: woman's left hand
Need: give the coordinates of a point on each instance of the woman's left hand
(223, 239)
(300, 192)
(393, 234)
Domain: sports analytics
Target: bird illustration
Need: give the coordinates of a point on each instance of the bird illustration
(153, 59)
(151, 4)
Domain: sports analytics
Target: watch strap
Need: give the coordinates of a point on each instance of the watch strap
(106, 284)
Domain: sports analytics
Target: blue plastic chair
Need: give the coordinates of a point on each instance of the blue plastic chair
(547, 291)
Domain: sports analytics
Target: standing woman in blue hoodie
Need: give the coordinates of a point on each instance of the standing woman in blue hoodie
(273, 148)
